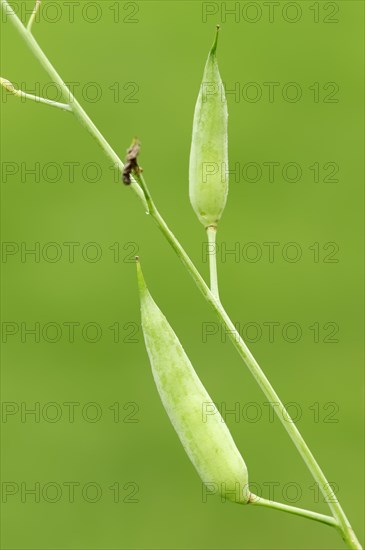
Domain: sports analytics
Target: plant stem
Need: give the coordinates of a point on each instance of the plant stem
(140, 179)
(79, 112)
(63, 106)
(259, 501)
(33, 16)
(212, 234)
(343, 523)
(283, 415)
(38, 99)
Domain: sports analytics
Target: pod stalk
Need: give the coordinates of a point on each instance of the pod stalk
(259, 501)
(212, 251)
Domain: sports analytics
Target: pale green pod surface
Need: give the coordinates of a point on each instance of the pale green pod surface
(206, 440)
(208, 179)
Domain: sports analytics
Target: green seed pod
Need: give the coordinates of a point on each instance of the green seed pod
(206, 440)
(208, 180)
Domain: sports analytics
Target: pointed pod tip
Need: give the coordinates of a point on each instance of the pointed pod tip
(214, 47)
(138, 265)
(141, 282)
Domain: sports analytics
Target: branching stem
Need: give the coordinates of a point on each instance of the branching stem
(19, 93)
(34, 15)
(144, 195)
(259, 501)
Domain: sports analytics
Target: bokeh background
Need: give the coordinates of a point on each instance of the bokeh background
(136, 67)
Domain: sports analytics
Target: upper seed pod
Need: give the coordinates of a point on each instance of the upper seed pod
(207, 441)
(208, 182)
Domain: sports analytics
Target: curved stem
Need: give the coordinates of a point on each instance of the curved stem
(259, 501)
(63, 106)
(68, 96)
(212, 251)
(260, 377)
(240, 345)
(140, 179)
(19, 93)
(33, 16)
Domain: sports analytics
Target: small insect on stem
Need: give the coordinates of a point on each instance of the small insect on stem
(131, 164)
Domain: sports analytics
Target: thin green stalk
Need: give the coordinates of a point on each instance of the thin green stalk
(50, 102)
(343, 523)
(33, 16)
(140, 179)
(19, 93)
(212, 234)
(259, 501)
(68, 96)
(283, 415)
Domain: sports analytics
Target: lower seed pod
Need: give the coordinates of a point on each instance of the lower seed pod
(207, 442)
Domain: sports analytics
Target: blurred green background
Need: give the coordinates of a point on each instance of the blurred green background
(136, 67)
